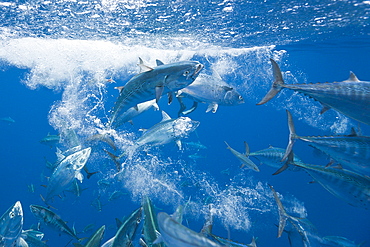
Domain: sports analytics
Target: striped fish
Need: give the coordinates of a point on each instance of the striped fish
(152, 83)
(351, 150)
(350, 97)
(243, 158)
(272, 156)
(349, 186)
(51, 219)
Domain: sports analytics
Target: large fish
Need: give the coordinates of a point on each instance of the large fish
(349, 186)
(174, 234)
(166, 131)
(150, 228)
(210, 90)
(51, 219)
(33, 238)
(304, 231)
(350, 97)
(351, 150)
(272, 156)
(151, 83)
(126, 231)
(67, 170)
(94, 240)
(11, 224)
(243, 158)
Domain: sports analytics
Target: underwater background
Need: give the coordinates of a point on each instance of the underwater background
(60, 62)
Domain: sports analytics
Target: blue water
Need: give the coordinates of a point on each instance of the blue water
(56, 57)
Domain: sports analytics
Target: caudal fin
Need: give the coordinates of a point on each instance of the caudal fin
(292, 135)
(276, 85)
(283, 216)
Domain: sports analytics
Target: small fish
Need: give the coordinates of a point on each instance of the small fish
(67, 170)
(104, 138)
(94, 240)
(116, 195)
(175, 234)
(194, 145)
(350, 97)
(8, 120)
(51, 219)
(351, 150)
(196, 156)
(11, 224)
(244, 157)
(151, 83)
(335, 241)
(50, 140)
(210, 90)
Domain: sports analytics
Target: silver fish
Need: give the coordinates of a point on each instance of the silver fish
(50, 140)
(8, 120)
(51, 219)
(334, 241)
(150, 229)
(152, 83)
(350, 97)
(68, 169)
(351, 150)
(33, 238)
(167, 130)
(94, 240)
(133, 112)
(126, 231)
(174, 234)
(272, 156)
(11, 224)
(210, 90)
(349, 186)
(244, 157)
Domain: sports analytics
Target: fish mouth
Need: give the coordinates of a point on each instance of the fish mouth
(198, 68)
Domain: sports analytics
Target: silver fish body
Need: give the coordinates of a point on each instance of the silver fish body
(350, 97)
(133, 112)
(174, 234)
(51, 219)
(152, 83)
(95, 239)
(349, 186)
(167, 130)
(213, 91)
(11, 224)
(67, 170)
(243, 158)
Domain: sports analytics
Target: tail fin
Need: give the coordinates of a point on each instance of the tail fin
(283, 216)
(292, 135)
(276, 85)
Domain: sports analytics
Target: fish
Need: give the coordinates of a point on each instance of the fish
(67, 170)
(196, 156)
(8, 120)
(350, 97)
(336, 241)
(104, 138)
(94, 240)
(272, 156)
(174, 234)
(11, 224)
(126, 231)
(166, 131)
(33, 238)
(195, 145)
(150, 227)
(51, 219)
(210, 90)
(50, 140)
(135, 111)
(151, 83)
(244, 157)
(305, 229)
(352, 151)
(347, 185)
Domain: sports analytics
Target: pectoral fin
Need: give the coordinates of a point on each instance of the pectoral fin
(212, 107)
(158, 93)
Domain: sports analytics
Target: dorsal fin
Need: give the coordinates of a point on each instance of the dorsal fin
(352, 77)
(143, 67)
(165, 116)
(119, 88)
(159, 62)
(353, 132)
(247, 152)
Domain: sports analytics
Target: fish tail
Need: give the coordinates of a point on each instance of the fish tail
(292, 136)
(277, 85)
(283, 216)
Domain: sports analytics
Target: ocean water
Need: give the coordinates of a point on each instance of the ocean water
(60, 62)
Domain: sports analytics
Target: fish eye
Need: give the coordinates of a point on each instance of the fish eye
(240, 97)
(186, 73)
(11, 214)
